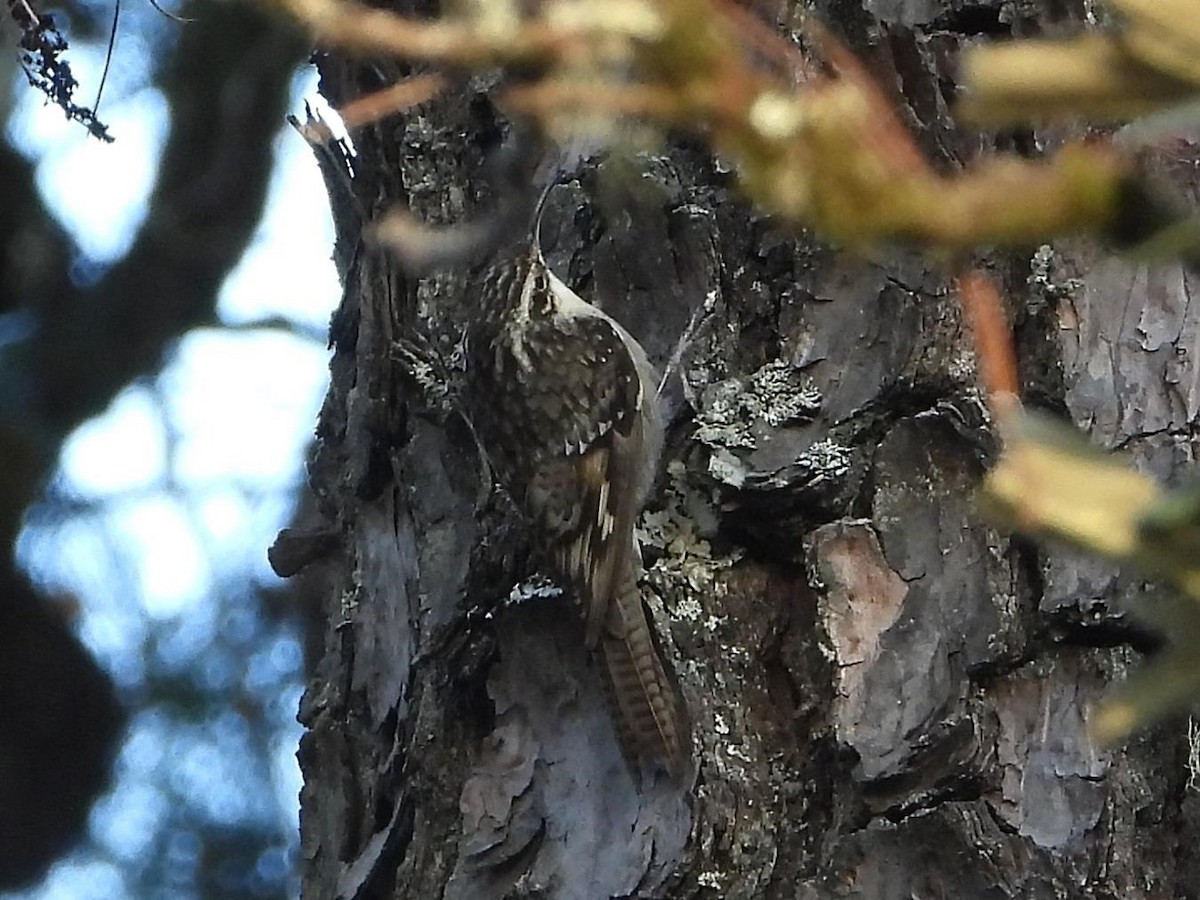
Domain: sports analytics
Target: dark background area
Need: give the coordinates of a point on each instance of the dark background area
(152, 433)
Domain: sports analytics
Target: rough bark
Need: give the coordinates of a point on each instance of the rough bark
(889, 697)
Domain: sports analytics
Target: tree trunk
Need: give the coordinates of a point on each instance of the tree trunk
(888, 697)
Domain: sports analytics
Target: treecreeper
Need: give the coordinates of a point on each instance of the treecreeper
(563, 400)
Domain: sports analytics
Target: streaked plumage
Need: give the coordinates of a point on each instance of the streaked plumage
(562, 398)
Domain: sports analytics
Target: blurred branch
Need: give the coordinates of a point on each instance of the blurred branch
(316, 334)
(67, 347)
(996, 357)
(817, 149)
(61, 723)
(1148, 63)
(227, 85)
(42, 47)
(1052, 484)
(500, 38)
(1088, 75)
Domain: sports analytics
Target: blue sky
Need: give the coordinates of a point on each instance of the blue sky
(183, 482)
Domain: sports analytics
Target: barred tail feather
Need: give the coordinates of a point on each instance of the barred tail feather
(647, 711)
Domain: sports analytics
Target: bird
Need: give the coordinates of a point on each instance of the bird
(563, 401)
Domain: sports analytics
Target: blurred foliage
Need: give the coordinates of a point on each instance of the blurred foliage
(1051, 483)
(818, 145)
(813, 141)
(1149, 61)
(1146, 65)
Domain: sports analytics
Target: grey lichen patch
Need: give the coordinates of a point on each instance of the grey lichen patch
(689, 609)
(737, 752)
(719, 675)
(735, 411)
(728, 469)
(688, 574)
(679, 527)
(764, 442)
(824, 463)
(712, 880)
(827, 459)
(1044, 276)
(348, 602)
(539, 587)
(350, 594)
(1193, 755)
(962, 366)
